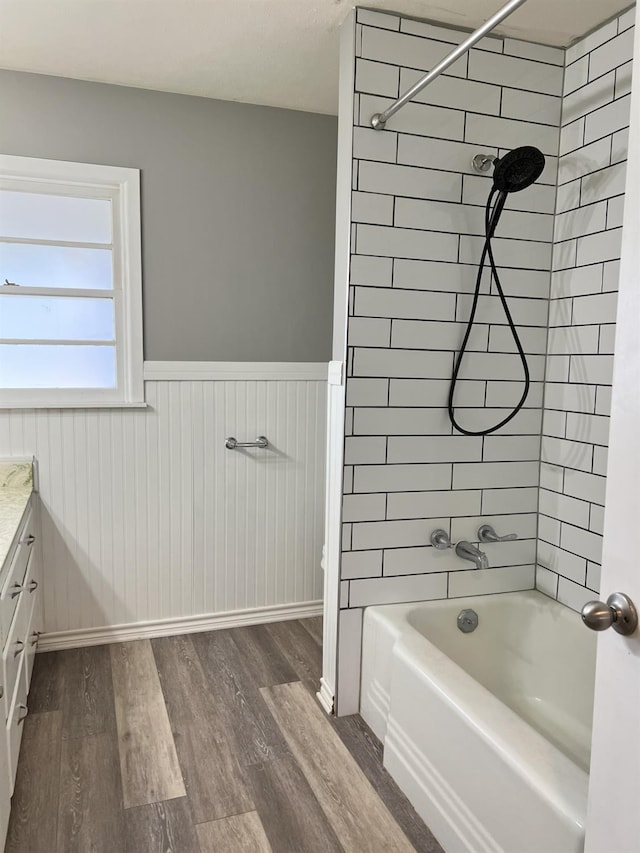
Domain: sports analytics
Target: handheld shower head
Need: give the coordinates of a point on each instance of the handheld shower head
(518, 169)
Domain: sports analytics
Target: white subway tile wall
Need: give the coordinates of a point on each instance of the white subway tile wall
(418, 221)
(584, 286)
(417, 224)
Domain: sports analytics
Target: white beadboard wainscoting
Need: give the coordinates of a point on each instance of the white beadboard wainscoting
(151, 526)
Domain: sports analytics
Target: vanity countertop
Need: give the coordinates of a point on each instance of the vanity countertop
(16, 486)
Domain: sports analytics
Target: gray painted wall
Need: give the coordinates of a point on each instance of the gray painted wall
(238, 209)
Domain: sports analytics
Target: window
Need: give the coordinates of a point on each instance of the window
(70, 284)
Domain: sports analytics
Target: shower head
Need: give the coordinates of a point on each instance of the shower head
(518, 169)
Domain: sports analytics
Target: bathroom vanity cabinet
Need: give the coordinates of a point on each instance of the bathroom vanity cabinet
(20, 625)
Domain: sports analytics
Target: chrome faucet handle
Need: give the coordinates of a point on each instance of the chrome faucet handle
(486, 533)
(440, 539)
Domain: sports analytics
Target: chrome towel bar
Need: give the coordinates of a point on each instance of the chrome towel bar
(233, 444)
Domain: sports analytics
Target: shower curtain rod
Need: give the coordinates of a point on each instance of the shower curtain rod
(379, 120)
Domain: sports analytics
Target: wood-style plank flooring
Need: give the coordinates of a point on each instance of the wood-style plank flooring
(202, 743)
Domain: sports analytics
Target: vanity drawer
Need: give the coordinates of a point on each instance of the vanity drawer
(17, 642)
(14, 582)
(15, 725)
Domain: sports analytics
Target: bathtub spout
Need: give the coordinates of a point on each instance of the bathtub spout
(469, 552)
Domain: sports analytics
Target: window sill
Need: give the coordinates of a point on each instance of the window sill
(102, 404)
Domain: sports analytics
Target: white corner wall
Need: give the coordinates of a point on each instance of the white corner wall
(336, 378)
(150, 525)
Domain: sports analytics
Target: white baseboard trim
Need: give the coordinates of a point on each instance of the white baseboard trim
(57, 640)
(325, 697)
(234, 370)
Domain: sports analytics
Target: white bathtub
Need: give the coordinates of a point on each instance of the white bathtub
(487, 733)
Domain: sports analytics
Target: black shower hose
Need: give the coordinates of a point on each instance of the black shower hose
(491, 219)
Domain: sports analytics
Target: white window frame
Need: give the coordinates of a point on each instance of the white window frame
(122, 186)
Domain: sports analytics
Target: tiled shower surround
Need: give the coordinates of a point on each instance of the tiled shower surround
(593, 149)
(417, 226)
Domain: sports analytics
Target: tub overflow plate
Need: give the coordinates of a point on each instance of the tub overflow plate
(467, 621)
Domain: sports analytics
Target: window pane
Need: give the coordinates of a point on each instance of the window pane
(55, 266)
(55, 217)
(45, 366)
(56, 318)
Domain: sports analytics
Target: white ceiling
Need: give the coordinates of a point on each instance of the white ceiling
(280, 53)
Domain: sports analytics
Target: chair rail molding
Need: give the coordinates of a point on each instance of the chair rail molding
(234, 370)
